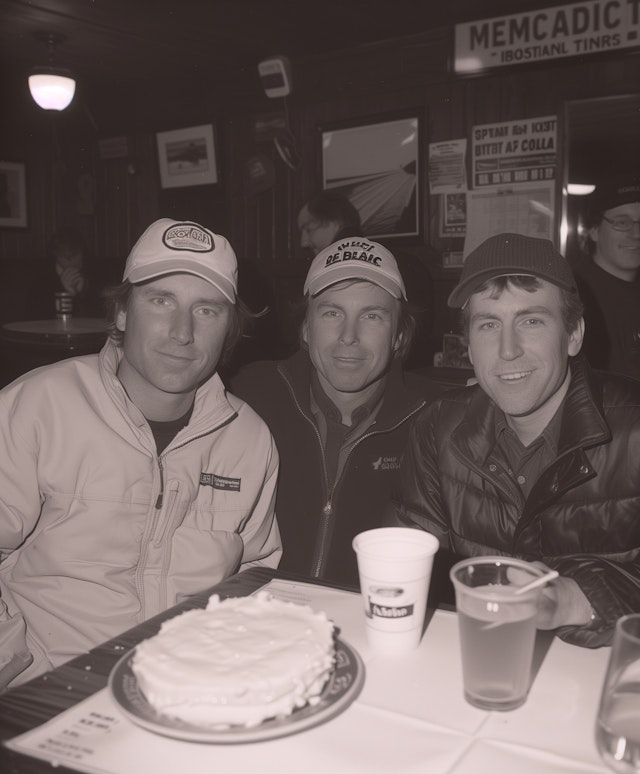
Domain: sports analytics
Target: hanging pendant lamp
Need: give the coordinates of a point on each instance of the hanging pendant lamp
(51, 87)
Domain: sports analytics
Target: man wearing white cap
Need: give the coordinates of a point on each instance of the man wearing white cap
(340, 407)
(541, 458)
(131, 479)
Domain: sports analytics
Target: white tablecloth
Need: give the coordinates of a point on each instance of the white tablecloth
(410, 717)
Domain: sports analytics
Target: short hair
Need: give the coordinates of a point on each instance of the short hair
(335, 207)
(571, 307)
(407, 323)
(117, 298)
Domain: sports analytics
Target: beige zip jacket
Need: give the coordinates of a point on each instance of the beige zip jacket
(98, 533)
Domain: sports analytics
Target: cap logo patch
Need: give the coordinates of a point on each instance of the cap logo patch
(355, 250)
(188, 236)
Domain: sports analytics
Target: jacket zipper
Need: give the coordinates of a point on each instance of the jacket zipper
(327, 510)
(160, 498)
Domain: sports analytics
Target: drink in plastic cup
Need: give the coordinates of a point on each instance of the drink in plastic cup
(618, 722)
(394, 565)
(497, 629)
(64, 305)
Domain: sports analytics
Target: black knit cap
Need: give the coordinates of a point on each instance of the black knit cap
(613, 192)
(505, 254)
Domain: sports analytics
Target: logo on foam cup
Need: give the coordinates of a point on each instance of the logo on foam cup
(376, 610)
(187, 236)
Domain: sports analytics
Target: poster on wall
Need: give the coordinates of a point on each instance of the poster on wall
(453, 209)
(524, 210)
(514, 152)
(376, 164)
(447, 166)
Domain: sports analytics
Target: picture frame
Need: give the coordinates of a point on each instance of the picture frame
(376, 163)
(13, 194)
(187, 157)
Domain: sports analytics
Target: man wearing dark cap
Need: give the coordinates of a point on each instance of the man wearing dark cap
(340, 407)
(609, 277)
(131, 478)
(541, 458)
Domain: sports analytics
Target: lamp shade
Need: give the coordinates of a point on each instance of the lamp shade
(51, 89)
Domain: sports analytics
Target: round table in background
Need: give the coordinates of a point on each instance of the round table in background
(28, 344)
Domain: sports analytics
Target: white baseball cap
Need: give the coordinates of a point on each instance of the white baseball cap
(355, 258)
(170, 246)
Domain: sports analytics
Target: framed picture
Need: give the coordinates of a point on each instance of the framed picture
(376, 164)
(13, 195)
(187, 157)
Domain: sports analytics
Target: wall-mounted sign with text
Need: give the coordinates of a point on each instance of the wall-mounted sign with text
(574, 29)
(514, 152)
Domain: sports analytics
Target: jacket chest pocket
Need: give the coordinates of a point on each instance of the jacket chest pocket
(215, 509)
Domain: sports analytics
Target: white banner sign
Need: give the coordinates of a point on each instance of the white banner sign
(514, 152)
(549, 33)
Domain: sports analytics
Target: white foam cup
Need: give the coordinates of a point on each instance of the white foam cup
(394, 565)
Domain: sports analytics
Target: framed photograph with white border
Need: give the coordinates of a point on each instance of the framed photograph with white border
(13, 195)
(187, 157)
(376, 164)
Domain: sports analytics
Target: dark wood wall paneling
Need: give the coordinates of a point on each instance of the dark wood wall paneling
(360, 84)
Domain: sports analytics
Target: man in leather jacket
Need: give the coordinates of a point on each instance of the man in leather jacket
(541, 458)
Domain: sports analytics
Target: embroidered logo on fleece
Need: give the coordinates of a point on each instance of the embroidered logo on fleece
(386, 463)
(220, 482)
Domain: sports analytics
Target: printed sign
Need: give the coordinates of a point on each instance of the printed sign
(514, 152)
(549, 33)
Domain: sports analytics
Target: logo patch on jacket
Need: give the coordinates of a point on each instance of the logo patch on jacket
(220, 482)
(386, 463)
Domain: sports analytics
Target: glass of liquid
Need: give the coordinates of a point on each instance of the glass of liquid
(618, 721)
(497, 623)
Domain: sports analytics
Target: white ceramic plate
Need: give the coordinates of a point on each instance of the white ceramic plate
(342, 688)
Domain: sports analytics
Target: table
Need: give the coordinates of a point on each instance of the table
(28, 344)
(411, 717)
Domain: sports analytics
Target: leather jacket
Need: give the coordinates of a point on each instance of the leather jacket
(582, 516)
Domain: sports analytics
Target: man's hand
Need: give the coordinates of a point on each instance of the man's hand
(72, 280)
(562, 603)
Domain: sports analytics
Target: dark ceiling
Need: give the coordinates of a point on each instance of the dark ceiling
(117, 40)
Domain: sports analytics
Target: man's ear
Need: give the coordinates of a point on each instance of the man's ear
(398, 341)
(304, 332)
(121, 319)
(575, 338)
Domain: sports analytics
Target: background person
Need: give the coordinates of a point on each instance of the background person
(608, 278)
(131, 479)
(325, 218)
(540, 459)
(340, 407)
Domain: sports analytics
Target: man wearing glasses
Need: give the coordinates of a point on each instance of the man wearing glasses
(609, 281)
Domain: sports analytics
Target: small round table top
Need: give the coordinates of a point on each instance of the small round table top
(56, 329)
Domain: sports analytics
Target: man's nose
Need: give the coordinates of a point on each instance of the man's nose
(182, 327)
(510, 347)
(349, 332)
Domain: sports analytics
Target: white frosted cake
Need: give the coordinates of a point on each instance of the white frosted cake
(238, 662)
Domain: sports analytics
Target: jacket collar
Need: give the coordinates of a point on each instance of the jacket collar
(210, 409)
(399, 400)
(583, 423)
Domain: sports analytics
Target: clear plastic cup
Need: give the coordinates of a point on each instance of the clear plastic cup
(497, 629)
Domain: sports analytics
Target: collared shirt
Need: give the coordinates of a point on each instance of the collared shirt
(524, 464)
(337, 438)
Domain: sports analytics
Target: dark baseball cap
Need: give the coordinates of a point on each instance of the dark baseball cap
(614, 191)
(508, 254)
